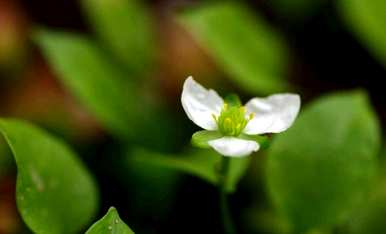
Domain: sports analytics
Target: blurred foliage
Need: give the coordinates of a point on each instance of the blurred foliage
(201, 163)
(4, 159)
(366, 19)
(325, 164)
(321, 175)
(97, 82)
(55, 193)
(133, 45)
(296, 10)
(369, 216)
(137, 170)
(13, 46)
(103, 88)
(110, 223)
(258, 63)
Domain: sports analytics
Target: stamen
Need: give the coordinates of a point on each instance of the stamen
(238, 126)
(232, 120)
(228, 124)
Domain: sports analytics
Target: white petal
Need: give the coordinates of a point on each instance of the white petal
(273, 114)
(234, 147)
(200, 104)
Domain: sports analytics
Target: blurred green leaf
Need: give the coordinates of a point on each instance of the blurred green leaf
(367, 20)
(323, 166)
(157, 197)
(110, 223)
(101, 87)
(125, 28)
(370, 216)
(200, 163)
(258, 220)
(247, 48)
(55, 193)
(200, 139)
(85, 71)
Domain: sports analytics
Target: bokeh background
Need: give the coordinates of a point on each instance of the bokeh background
(254, 48)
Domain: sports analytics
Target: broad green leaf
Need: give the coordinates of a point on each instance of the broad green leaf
(324, 165)
(110, 223)
(102, 88)
(124, 26)
(200, 163)
(263, 220)
(90, 76)
(55, 193)
(200, 139)
(366, 19)
(369, 217)
(247, 48)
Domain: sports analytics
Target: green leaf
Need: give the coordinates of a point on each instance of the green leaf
(55, 193)
(102, 88)
(248, 49)
(366, 19)
(200, 139)
(200, 163)
(324, 165)
(110, 223)
(85, 71)
(369, 217)
(124, 26)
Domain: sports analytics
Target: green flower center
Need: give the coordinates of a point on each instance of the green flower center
(232, 120)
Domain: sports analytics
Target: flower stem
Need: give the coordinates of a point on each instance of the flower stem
(225, 212)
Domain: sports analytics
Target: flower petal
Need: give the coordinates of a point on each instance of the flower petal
(273, 114)
(200, 104)
(234, 147)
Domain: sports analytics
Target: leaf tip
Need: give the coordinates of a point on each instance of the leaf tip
(112, 210)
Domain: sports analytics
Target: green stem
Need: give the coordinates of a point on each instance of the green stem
(225, 212)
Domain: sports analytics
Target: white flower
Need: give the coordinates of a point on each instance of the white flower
(231, 124)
